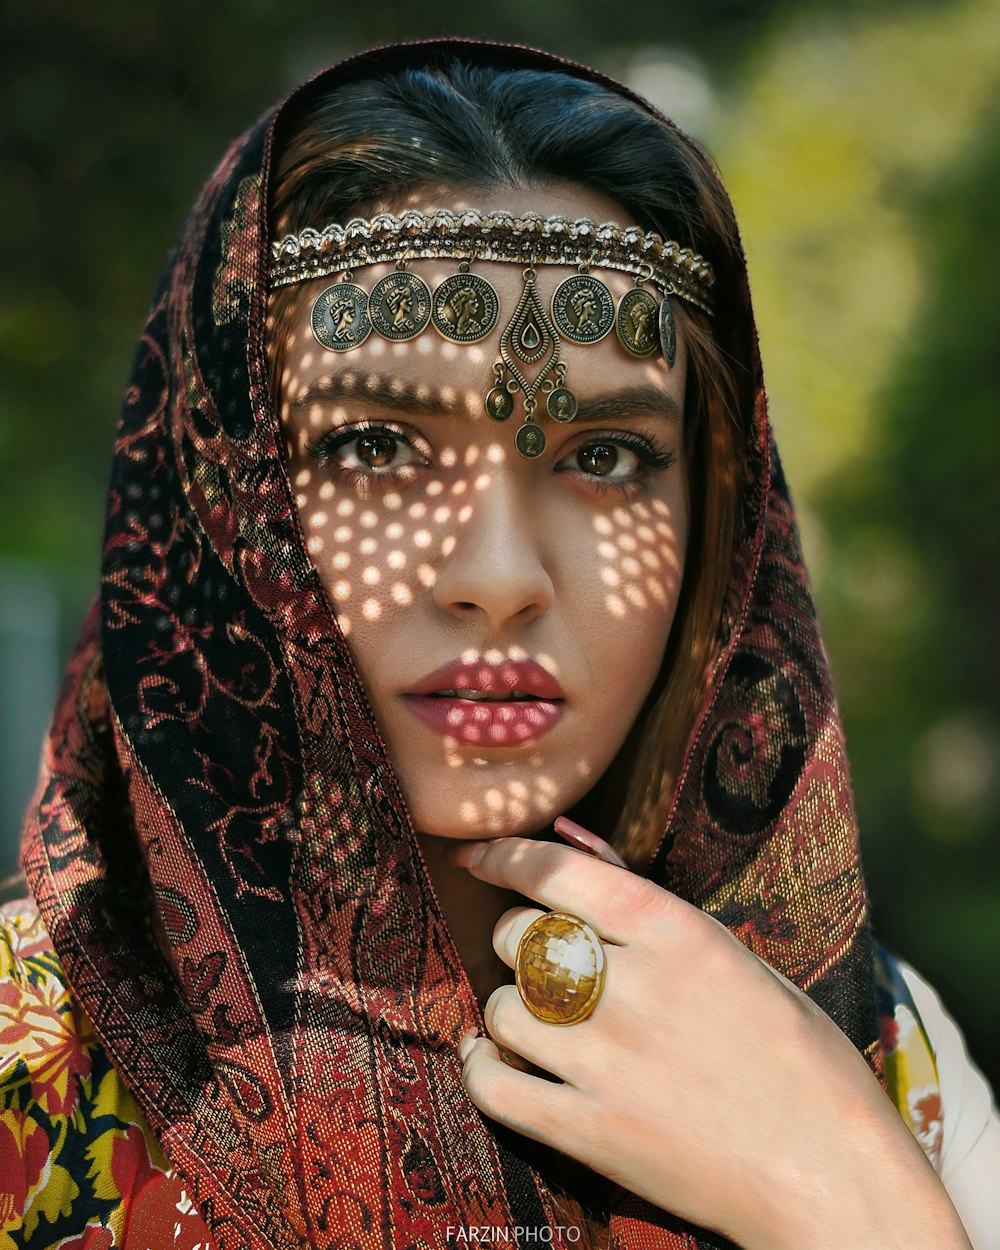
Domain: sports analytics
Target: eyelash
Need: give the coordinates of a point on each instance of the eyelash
(653, 458)
(366, 481)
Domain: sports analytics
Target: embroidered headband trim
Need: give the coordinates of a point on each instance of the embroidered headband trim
(465, 307)
(498, 236)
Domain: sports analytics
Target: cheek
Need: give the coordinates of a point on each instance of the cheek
(640, 557)
(636, 564)
(377, 556)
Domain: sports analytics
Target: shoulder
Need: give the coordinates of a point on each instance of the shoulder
(73, 1141)
(942, 1095)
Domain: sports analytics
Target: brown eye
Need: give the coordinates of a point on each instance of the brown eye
(377, 451)
(598, 459)
(624, 460)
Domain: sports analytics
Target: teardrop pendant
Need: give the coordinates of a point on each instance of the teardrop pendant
(529, 332)
(529, 340)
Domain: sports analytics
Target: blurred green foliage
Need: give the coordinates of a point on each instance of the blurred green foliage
(863, 154)
(862, 145)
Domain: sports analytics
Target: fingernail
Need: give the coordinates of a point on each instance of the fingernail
(584, 840)
(465, 1043)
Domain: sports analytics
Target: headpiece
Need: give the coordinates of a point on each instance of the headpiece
(465, 307)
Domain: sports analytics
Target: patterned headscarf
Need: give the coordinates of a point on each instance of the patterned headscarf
(219, 846)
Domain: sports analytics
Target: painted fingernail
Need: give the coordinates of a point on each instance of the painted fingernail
(465, 1043)
(584, 840)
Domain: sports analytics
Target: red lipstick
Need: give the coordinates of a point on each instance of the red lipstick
(490, 705)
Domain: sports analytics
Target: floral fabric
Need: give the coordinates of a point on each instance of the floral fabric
(80, 1168)
(910, 1065)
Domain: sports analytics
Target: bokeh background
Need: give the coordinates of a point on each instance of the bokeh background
(861, 142)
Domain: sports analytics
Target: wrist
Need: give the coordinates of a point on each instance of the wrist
(880, 1191)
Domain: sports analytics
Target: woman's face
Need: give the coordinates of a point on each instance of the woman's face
(507, 616)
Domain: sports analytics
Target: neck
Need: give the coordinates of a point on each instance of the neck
(471, 909)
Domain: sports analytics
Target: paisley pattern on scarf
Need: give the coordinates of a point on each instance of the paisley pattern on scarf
(219, 848)
(61, 1101)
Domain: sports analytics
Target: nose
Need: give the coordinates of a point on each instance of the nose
(497, 566)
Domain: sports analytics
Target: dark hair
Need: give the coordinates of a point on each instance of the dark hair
(469, 126)
(363, 146)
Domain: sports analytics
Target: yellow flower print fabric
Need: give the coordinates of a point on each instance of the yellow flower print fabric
(911, 1072)
(79, 1169)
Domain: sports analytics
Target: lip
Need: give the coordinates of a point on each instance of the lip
(502, 678)
(488, 724)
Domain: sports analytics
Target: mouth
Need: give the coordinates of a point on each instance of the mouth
(489, 705)
(485, 696)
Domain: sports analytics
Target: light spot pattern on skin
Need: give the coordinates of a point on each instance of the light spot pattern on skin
(470, 554)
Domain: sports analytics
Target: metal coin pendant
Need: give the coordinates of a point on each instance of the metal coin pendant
(465, 308)
(499, 403)
(636, 323)
(561, 404)
(400, 306)
(668, 331)
(583, 309)
(530, 441)
(340, 317)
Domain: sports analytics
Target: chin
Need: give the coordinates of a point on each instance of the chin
(484, 812)
(518, 798)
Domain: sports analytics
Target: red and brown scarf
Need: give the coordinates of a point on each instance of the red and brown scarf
(223, 857)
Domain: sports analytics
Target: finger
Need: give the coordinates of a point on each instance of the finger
(569, 1053)
(542, 1110)
(509, 930)
(614, 902)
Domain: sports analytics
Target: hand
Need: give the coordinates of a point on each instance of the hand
(703, 1081)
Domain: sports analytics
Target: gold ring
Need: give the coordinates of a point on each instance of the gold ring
(559, 968)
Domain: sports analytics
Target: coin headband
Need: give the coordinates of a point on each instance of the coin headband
(465, 307)
(522, 239)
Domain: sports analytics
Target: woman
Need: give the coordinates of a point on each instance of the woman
(375, 589)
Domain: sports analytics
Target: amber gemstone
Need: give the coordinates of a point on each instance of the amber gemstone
(560, 968)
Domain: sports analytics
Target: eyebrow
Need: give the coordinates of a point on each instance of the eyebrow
(631, 403)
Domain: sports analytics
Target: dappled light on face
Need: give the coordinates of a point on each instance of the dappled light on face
(642, 560)
(382, 557)
(493, 811)
(494, 655)
(507, 616)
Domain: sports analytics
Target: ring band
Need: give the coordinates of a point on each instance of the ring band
(559, 968)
